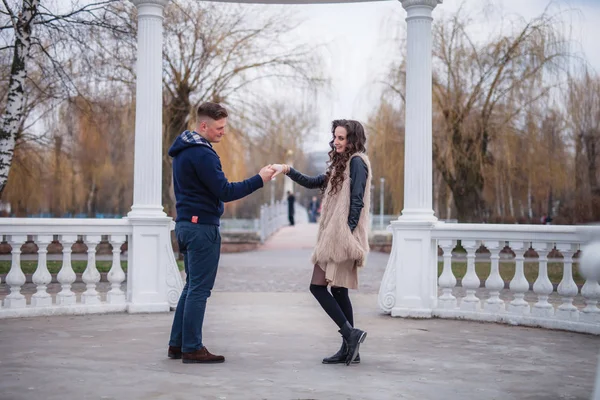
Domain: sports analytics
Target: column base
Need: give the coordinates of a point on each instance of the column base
(148, 308)
(418, 215)
(421, 313)
(409, 285)
(138, 211)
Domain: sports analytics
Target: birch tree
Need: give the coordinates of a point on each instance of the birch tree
(45, 30)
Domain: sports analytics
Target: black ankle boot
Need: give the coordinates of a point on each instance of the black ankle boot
(340, 356)
(354, 337)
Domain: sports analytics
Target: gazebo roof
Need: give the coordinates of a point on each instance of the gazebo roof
(289, 2)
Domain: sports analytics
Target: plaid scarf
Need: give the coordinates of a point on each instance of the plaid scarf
(194, 137)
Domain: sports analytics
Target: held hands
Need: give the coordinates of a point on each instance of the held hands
(280, 168)
(270, 171)
(267, 173)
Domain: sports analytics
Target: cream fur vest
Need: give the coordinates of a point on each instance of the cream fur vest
(335, 242)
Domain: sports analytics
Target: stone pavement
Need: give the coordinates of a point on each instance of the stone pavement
(273, 334)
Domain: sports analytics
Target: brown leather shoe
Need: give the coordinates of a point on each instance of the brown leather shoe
(201, 356)
(174, 352)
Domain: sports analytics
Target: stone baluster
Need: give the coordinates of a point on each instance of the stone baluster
(470, 281)
(15, 278)
(589, 268)
(567, 288)
(519, 285)
(494, 283)
(42, 277)
(542, 286)
(66, 275)
(591, 292)
(447, 280)
(116, 276)
(91, 276)
(262, 223)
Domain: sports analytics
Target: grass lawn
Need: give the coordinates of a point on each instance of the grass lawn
(507, 270)
(29, 267)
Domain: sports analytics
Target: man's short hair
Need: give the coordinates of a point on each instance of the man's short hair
(211, 110)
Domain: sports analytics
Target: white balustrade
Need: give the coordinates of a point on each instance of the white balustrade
(543, 306)
(62, 298)
(272, 218)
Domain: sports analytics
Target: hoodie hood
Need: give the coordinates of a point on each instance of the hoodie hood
(186, 140)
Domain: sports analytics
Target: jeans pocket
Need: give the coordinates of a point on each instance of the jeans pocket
(212, 234)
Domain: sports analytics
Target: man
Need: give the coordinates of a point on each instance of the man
(291, 200)
(200, 190)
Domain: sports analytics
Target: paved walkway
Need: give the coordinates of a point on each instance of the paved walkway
(273, 334)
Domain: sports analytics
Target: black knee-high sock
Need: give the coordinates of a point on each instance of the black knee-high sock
(340, 294)
(329, 304)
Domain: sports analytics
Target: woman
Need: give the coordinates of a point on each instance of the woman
(342, 242)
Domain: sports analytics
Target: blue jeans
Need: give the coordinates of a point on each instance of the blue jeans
(201, 248)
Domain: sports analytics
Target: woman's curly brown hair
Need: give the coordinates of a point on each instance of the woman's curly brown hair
(336, 166)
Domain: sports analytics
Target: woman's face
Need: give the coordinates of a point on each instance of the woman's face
(339, 141)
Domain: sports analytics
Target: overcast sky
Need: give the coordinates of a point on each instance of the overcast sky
(360, 46)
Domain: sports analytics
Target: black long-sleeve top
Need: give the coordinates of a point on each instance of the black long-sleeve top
(358, 182)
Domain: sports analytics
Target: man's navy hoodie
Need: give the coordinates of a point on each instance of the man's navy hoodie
(200, 184)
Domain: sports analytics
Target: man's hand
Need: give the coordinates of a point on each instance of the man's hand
(266, 173)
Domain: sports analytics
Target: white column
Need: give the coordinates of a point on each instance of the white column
(418, 154)
(150, 278)
(409, 286)
(147, 177)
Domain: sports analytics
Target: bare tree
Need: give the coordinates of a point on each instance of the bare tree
(478, 89)
(584, 117)
(220, 53)
(34, 31)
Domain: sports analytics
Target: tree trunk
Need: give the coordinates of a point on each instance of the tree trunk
(511, 206)
(582, 195)
(448, 203)
(91, 202)
(529, 206)
(592, 160)
(467, 191)
(436, 194)
(15, 101)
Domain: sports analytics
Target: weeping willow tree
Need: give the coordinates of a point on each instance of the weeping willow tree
(385, 130)
(479, 88)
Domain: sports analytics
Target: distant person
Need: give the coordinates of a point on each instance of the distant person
(343, 238)
(313, 209)
(200, 190)
(291, 199)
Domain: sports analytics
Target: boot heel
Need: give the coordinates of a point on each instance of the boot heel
(363, 337)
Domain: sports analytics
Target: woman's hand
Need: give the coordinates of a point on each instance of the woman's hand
(280, 168)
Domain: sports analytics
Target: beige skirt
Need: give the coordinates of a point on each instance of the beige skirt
(344, 274)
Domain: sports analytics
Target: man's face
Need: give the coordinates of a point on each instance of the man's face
(212, 130)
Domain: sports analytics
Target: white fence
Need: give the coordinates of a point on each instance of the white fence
(483, 294)
(142, 294)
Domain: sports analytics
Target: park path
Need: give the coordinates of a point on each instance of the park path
(273, 334)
